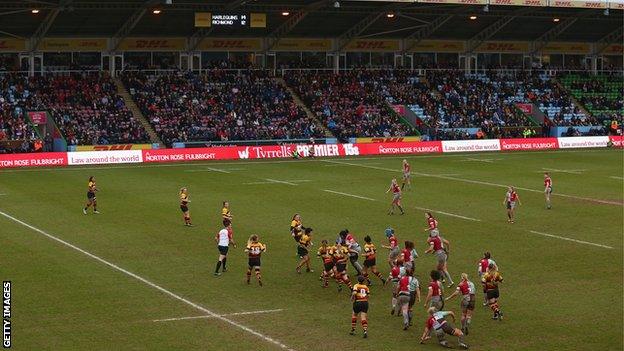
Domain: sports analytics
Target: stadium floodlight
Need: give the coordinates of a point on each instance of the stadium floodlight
(390, 15)
(285, 13)
(35, 11)
(473, 17)
(156, 11)
(556, 19)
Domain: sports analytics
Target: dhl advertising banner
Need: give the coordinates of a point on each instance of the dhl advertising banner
(113, 147)
(295, 44)
(12, 45)
(578, 4)
(230, 44)
(373, 45)
(520, 2)
(614, 49)
(73, 44)
(257, 20)
(503, 46)
(438, 46)
(387, 140)
(153, 44)
(616, 5)
(566, 48)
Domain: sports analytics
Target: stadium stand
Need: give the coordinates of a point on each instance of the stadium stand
(218, 106)
(601, 94)
(351, 103)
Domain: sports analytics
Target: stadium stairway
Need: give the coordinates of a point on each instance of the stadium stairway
(573, 99)
(121, 89)
(298, 101)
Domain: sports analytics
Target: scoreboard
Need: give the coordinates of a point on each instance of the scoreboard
(231, 19)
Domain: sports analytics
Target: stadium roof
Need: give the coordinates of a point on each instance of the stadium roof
(308, 18)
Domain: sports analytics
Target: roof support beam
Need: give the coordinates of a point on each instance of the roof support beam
(201, 33)
(292, 22)
(130, 23)
(44, 27)
(425, 32)
(494, 28)
(602, 44)
(362, 25)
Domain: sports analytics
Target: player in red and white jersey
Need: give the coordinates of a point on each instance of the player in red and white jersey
(441, 247)
(408, 254)
(407, 175)
(396, 197)
(434, 292)
(482, 268)
(432, 224)
(393, 246)
(547, 188)
(467, 290)
(402, 291)
(511, 197)
(394, 277)
(436, 323)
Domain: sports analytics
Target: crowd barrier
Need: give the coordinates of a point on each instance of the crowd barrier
(57, 159)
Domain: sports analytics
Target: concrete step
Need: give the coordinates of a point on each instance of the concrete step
(136, 112)
(298, 101)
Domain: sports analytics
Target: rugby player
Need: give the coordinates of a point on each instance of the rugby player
(467, 290)
(511, 197)
(91, 199)
(490, 281)
(438, 324)
(434, 292)
(432, 224)
(359, 296)
(341, 255)
(305, 241)
(370, 261)
(406, 175)
(482, 268)
(547, 189)
(396, 197)
(440, 247)
(254, 249)
(225, 211)
(393, 246)
(184, 200)
(325, 253)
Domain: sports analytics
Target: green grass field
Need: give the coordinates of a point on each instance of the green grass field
(558, 294)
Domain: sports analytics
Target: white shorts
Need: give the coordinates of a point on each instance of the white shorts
(406, 175)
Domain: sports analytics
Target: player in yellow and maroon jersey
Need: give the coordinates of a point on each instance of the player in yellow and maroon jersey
(341, 255)
(490, 281)
(325, 253)
(91, 199)
(303, 250)
(184, 200)
(359, 296)
(254, 249)
(370, 261)
(225, 212)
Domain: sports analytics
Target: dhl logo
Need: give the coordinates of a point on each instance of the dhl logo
(563, 3)
(89, 44)
(615, 49)
(501, 46)
(387, 140)
(112, 147)
(504, 2)
(152, 44)
(595, 5)
(533, 2)
(371, 45)
(230, 44)
(469, 2)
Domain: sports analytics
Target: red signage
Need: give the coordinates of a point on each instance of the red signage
(529, 144)
(38, 117)
(45, 159)
(525, 108)
(617, 140)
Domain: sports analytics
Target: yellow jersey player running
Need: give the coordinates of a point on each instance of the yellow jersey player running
(305, 241)
(490, 281)
(359, 296)
(325, 253)
(370, 260)
(91, 199)
(254, 249)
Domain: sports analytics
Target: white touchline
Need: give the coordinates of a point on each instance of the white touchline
(351, 195)
(222, 315)
(279, 181)
(569, 239)
(273, 182)
(612, 177)
(487, 160)
(217, 170)
(149, 283)
(606, 202)
(448, 214)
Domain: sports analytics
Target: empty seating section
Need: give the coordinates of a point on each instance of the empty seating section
(219, 106)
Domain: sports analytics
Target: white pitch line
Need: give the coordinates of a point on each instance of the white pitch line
(350, 195)
(606, 202)
(571, 171)
(153, 285)
(569, 239)
(487, 160)
(612, 177)
(273, 182)
(222, 315)
(279, 181)
(448, 214)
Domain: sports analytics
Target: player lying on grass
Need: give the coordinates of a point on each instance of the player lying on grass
(437, 324)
